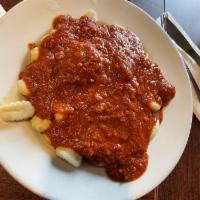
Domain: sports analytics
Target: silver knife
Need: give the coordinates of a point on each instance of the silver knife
(177, 33)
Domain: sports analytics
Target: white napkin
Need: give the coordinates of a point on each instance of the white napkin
(194, 68)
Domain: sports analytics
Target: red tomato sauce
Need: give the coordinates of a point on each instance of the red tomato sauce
(99, 78)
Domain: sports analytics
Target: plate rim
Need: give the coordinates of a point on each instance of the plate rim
(45, 195)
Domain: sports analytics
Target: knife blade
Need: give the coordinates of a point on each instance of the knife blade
(177, 33)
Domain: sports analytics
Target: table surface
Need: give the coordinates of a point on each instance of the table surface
(184, 182)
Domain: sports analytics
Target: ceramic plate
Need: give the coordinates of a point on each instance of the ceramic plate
(31, 162)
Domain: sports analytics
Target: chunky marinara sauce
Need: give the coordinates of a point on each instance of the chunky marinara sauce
(99, 77)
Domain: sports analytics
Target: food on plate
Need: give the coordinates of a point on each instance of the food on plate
(69, 155)
(22, 88)
(46, 138)
(40, 125)
(94, 94)
(91, 13)
(34, 53)
(154, 106)
(155, 129)
(16, 111)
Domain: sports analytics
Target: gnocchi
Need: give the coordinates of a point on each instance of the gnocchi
(154, 106)
(22, 88)
(155, 129)
(34, 54)
(40, 125)
(16, 111)
(91, 13)
(58, 116)
(46, 139)
(69, 155)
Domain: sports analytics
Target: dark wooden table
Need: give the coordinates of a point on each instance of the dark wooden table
(184, 182)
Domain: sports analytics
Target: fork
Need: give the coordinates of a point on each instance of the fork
(163, 18)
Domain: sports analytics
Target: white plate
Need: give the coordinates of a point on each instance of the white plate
(34, 165)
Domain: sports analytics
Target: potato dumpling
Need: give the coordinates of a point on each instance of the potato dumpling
(22, 88)
(16, 111)
(40, 125)
(154, 106)
(52, 31)
(91, 13)
(155, 129)
(58, 116)
(69, 155)
(44, 36)
(48, 34)
(34, 54)
(46, 138)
